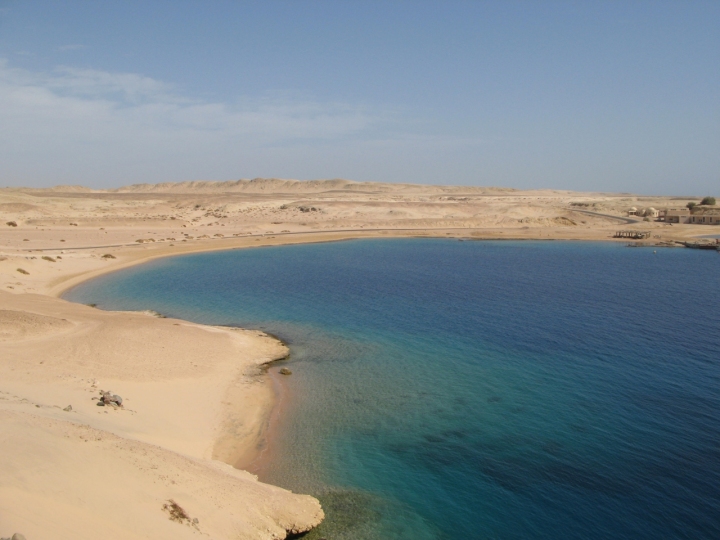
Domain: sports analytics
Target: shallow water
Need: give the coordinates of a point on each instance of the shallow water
(447, 389)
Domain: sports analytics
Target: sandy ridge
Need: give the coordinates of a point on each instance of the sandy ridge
(184, 385)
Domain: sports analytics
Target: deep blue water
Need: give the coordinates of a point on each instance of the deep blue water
(447, 389)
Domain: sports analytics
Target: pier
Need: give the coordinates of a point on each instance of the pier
(636, 235)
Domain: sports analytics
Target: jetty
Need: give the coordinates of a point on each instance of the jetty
(635, 235)
(703, 245)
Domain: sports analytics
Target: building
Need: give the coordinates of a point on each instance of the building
(676, 216)
(705, 215)
(643, 212)
(650, 212)
(699, 215)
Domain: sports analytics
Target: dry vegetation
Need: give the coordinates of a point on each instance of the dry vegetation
(177, 513)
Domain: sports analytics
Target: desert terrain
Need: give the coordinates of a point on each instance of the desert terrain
(138, 222)
(196, 399)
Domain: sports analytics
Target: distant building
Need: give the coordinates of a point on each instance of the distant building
(707, 220)
(650, 212)
(677, 216)
(645, 212)
(699, 215)
(705, 215)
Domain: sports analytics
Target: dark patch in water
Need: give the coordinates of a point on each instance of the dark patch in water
(513, 467)
(446, 437)
(455, 433)
(552, 447)
(355, 514)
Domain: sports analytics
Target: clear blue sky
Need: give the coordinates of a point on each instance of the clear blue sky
(605, 95)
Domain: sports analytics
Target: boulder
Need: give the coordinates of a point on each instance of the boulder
(108, 398)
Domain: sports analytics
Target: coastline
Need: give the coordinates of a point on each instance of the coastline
(259, 461)
(252, 450)
(237, 417)
(224, 415)
(61, 285)
(213, 420)
(180, 383)
(245, 451)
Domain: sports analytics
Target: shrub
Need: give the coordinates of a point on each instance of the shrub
(708, 201)
(23, 271)
(108, 256)
(11, 224)
(691, 205)
(177, 512)
(46, 258)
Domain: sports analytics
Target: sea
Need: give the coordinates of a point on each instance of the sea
(446, 389)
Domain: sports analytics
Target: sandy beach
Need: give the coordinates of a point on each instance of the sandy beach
(196, 399)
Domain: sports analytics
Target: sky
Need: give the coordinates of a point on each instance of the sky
(590, 95)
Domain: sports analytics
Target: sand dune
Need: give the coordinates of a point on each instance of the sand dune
(182, 385)
(63, 479)
(21, 325)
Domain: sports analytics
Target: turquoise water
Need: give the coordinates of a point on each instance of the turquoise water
(448, 389)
